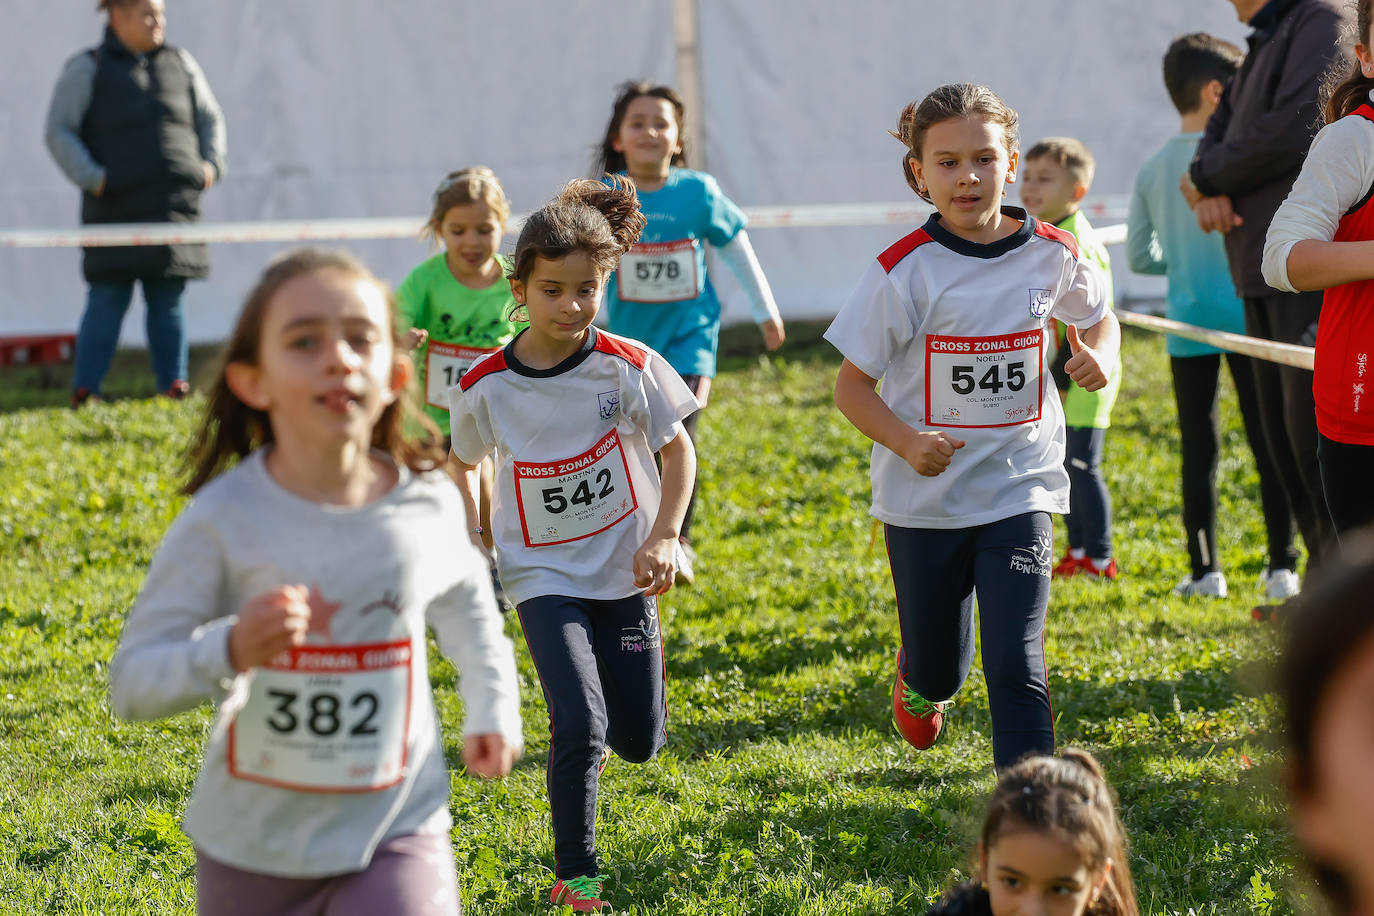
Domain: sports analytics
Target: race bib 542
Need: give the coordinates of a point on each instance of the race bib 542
(561, 501)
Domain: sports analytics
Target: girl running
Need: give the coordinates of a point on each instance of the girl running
(1322, 237)
(1326, 679)
(661, 293)
(968, 433)
(458, 301)
(585, 532)
(294, 591)
(1052, 843)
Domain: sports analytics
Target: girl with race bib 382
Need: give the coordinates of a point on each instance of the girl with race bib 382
(294, 592)
(585, 531)
(660, 293)
(968, 431)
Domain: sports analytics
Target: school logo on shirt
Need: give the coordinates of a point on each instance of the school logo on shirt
(1040, 300)
(608, 402)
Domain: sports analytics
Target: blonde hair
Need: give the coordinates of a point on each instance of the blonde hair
(466, 186)
(955, 100)
(1069, 154)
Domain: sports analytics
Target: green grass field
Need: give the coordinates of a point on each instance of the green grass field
(784, 788)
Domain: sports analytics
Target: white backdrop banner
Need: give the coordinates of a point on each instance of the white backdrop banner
(350, 109)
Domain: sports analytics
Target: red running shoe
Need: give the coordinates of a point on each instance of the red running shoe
(917, 719)
(582, 894)
(1105, 572)
(1067, 566)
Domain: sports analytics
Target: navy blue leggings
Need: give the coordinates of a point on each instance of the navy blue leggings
(1090, 505)
(1007, 563)
(601, 666)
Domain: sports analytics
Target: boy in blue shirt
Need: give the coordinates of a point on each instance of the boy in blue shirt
(1163, 238)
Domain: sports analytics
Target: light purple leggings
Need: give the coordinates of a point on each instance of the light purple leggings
(408, 876)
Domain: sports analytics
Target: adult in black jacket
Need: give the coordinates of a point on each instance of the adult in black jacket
(133, 123)
(1246, 162)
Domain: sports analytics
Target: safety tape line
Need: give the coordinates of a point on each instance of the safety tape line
(1288, 354)
(114, 234)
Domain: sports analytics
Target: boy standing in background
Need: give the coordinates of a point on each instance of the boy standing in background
(1056, 174)
(1163, 237)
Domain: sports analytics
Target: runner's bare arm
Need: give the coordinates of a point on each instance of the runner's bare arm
(469, 485)
(856, 396)
(653, 562)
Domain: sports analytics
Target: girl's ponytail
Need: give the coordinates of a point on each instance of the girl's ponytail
(616, 200)
(599, 218)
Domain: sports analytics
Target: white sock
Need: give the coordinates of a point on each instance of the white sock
(1077, 553)
(1101, 562)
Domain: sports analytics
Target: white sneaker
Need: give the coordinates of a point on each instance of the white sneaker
(683, 555)
(1211, 585)
(1279, 584)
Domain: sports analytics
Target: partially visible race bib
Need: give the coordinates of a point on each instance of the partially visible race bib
(562, 501)
(444, 365)
(326, 719)
(983, 381)
(659, 272)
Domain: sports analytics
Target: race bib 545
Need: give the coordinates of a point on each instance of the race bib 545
(983, 381)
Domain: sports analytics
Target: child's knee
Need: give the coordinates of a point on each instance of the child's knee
(640, 747)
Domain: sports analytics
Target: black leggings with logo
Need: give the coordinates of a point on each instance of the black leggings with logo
(936, 573)
(600, 663)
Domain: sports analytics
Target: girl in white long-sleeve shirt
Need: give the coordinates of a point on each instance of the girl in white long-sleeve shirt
(1322, 237)
(294, 592)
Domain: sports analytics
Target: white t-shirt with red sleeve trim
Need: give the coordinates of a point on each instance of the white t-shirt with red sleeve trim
(956, 332)
(577, 489)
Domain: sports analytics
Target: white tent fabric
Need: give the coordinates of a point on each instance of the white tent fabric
(343, 108)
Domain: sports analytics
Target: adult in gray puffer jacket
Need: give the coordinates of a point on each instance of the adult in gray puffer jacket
(133, 123)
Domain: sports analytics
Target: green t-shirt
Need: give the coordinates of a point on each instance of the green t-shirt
(463, 324)
(1090, 408)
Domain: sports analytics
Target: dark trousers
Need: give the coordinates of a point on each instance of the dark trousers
(1288, 414)
(601, 666)
(1195, 394)
(1089, 520)
(1347, 472)
(936, 573)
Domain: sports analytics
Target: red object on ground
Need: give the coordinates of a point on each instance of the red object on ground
(36, 349)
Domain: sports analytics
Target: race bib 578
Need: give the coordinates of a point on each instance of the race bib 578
(659, 272)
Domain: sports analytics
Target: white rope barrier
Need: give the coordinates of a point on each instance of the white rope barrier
(906, 213)
(803, 216)
(1288, 354)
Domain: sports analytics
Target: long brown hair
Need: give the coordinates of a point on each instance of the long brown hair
(1067, 796)
(230, 429)
(608, 159)
(1340, 96)
(955, 100)
(599, 218)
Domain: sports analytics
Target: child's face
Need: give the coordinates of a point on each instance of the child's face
(1030, 873)
(964, 166)
(326, 367)
(649, 134)
(1335, 819)
(471, 234)
(562, 297)
(1048, 190)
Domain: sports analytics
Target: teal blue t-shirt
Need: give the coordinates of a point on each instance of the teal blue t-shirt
(661, 294)
(1162, 237)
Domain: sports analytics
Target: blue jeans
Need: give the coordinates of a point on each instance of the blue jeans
(98, 335)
